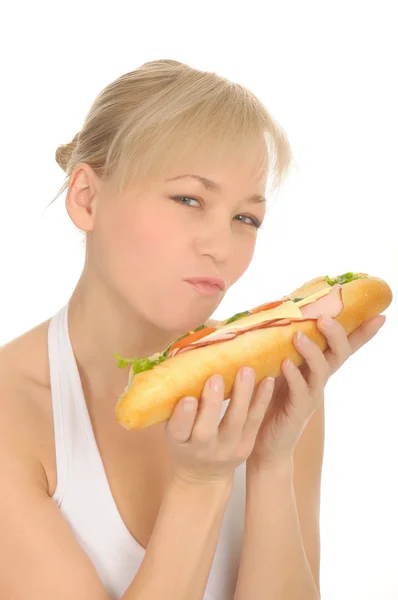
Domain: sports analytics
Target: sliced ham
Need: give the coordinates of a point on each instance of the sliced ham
(330, 305)
(229, 335)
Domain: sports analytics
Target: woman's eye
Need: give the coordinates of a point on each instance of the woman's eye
(185, 197)
(253, 221)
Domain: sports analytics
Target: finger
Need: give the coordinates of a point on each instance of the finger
(319, 368)
(339, 347)
(258, 407)
(365, 332)
(296, 382)
(179, 426)
(208, 417)
(234, 418)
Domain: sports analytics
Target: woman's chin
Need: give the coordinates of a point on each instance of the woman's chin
(182, 326)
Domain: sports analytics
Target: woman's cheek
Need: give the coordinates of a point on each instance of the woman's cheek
(145, 235)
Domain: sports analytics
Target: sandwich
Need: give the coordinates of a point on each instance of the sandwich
(261, 338)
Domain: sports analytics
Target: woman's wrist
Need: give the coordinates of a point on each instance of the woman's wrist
(186, 480)
(282, 465)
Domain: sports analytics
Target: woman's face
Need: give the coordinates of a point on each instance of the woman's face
(146, 243)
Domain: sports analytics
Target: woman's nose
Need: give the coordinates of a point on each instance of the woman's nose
(216, 240)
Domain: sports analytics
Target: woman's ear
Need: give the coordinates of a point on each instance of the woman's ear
(82, 196)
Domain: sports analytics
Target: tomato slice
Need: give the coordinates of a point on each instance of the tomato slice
(193, 337)
(266, 306)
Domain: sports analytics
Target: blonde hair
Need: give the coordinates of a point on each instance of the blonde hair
(147, 119)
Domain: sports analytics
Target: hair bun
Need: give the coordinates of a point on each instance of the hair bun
(64, 152)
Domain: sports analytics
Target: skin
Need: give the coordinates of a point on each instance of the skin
(140, 247)
(300, 392)
(124, 238)
(289, 449)
(110, 313)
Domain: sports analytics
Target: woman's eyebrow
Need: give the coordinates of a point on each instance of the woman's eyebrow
(214, 186)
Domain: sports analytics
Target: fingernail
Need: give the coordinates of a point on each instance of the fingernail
(289, 364)
(247, 374)
(302, 338)
(216, 383)
(189, 404)
(326, 321)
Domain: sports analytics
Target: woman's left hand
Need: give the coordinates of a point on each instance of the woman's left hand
(300, 392)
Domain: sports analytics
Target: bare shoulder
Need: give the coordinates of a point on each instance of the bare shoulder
(34, 533)
(24, 357)
(25, 397)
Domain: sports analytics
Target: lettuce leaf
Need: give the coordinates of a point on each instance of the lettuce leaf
(144, 364)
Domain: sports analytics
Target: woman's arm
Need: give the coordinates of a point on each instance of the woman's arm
(305, 497)
(308, 462)
(41, 559)
(183, 543)
(273, 560)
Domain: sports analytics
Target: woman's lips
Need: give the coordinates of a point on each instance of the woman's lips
(207, 289)
(208, 280)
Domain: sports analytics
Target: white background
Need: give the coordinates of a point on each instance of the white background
(327, 73)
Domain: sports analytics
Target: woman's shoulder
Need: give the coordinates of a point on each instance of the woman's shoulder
(25, 394)
(23, 360)
(24, 367)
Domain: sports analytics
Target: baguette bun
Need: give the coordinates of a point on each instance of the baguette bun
(152, 395)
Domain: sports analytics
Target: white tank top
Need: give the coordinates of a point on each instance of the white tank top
(85, 499)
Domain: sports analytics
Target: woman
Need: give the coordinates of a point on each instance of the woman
(222, 501)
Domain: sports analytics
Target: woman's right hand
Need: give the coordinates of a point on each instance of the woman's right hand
(203, 447)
